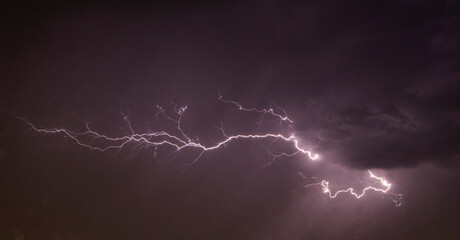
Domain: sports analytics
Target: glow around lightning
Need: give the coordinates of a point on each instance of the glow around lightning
(181, 141)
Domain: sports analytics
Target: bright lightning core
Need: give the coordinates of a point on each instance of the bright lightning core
(182, 140)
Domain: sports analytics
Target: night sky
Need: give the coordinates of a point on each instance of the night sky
(370, 85)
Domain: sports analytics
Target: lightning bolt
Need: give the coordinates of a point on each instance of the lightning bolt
(181, 141)
(386, 187)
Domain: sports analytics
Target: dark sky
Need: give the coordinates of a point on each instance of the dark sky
(369, 85)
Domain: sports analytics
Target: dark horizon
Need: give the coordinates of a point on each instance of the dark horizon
(367, 85)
